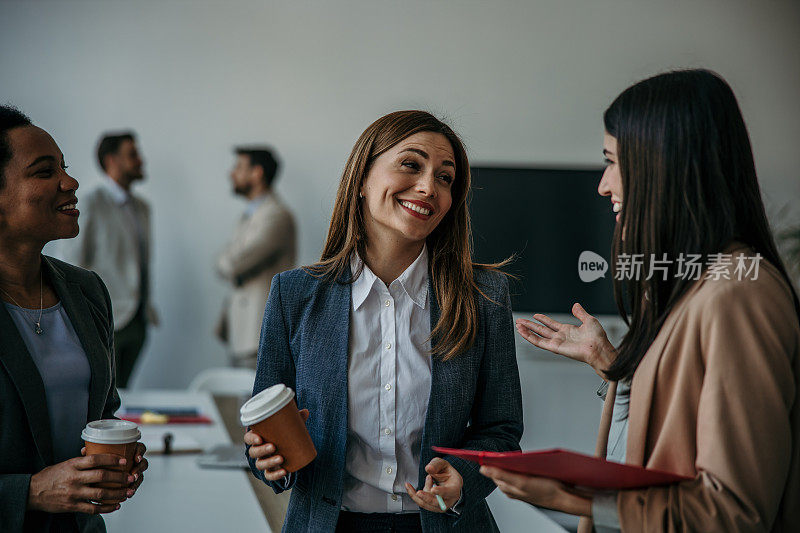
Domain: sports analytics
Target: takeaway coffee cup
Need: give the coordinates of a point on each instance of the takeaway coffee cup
(273, 414)
(117, 437)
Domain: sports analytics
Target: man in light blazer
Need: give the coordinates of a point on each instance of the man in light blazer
(114, 242)
(263, 244)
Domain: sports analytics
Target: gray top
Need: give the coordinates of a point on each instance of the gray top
(64, 368)
(604, 505)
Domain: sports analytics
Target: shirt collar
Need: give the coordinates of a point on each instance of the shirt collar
(414, 280)
(118, 194)
(253, 204)
(363, 284)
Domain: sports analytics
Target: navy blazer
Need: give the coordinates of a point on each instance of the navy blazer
(475, 400)
(26, 445)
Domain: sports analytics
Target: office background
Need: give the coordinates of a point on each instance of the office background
(524, 82)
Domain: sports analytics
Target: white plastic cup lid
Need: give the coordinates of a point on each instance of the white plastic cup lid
(265, 404)
(111, 431)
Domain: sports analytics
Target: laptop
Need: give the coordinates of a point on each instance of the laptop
(224, 456)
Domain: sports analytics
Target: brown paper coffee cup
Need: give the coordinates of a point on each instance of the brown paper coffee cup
(116, 437)
(273, 415)
(128, 451)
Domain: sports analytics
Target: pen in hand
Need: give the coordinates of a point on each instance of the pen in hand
(439, 499)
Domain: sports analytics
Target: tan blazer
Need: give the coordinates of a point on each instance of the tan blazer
(716, 398)
(263, 245)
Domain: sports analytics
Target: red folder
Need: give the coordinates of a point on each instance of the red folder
(569, 467)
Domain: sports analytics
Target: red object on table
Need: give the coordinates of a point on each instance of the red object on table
(569, 467)
(199, 419)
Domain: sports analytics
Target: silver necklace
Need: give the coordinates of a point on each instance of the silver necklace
(37, 324)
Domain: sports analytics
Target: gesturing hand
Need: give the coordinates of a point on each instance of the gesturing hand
(587, 343)
(449, 483)
(67, 487)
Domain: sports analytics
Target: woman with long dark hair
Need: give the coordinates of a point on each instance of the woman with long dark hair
(395, 341)
(710, 365)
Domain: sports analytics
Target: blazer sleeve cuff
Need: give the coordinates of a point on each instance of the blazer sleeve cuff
(288, 481)
(277, 486)
(14, 489)
(476, 486)
(458, 507)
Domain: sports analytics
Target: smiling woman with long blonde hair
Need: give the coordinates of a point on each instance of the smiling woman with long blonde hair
(395, 341)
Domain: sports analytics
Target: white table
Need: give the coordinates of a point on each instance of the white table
(514, 516)
(177, 495)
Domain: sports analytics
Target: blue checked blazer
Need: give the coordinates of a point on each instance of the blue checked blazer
(475, 399)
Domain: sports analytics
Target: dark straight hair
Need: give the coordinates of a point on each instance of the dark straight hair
(261, 157)
(110, 144)
(689, 186)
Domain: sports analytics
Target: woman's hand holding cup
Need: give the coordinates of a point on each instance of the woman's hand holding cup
(587, 343)
(137, 473)
(265, 453)
(117, 438)
(72, 486)
(140, 465)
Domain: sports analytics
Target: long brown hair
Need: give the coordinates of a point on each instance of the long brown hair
(689, 186)
(449, 245)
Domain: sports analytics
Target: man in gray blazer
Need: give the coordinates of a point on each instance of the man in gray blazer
(263, 244)
(114, 241)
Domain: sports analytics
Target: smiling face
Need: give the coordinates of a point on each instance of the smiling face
(37, 201)
(611, 182)
(407, 190)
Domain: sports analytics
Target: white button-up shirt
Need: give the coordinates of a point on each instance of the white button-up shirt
(389, 383)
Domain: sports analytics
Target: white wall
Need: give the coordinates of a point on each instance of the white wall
(523, 82)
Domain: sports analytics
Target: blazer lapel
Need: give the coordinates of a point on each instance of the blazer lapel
(75, 304)
(445, 375)
(336, 314)
(643, 386)
(28, 382)
(437, 393)
(640, 399)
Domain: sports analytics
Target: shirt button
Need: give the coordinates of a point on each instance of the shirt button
(388, 469)
(387, 303)
(394, 497)
(388, 386)
(388, 345)
(387, 431)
